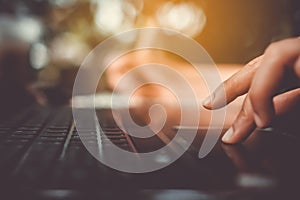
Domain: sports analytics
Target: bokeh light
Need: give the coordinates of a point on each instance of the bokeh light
(114, 16)
(184, 17)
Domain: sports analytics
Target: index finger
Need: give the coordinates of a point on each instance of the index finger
(238, 84)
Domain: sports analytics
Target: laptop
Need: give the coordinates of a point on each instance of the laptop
(43, 156)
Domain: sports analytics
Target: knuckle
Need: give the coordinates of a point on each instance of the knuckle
(274, 50)
(229, 83)
(258, 95)
(229, 87)
(253, 62)
(257, 64)
(235, 83)
(277, 49)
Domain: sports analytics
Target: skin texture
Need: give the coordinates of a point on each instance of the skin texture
(263, 80)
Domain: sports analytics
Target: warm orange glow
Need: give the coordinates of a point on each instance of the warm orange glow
(114, 16)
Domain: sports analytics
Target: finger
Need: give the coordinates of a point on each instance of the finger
(286, 102)
(268, 78)
(237, 85)
(243, 125)
(287, 109)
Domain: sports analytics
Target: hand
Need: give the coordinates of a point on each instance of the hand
(264, 79)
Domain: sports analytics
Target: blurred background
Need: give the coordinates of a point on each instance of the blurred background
(43, 42)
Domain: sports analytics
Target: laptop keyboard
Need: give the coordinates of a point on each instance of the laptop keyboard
(43, 141)
(41, 151)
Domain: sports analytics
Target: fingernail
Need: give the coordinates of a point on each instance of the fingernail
(207, 102)
(227, 136)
